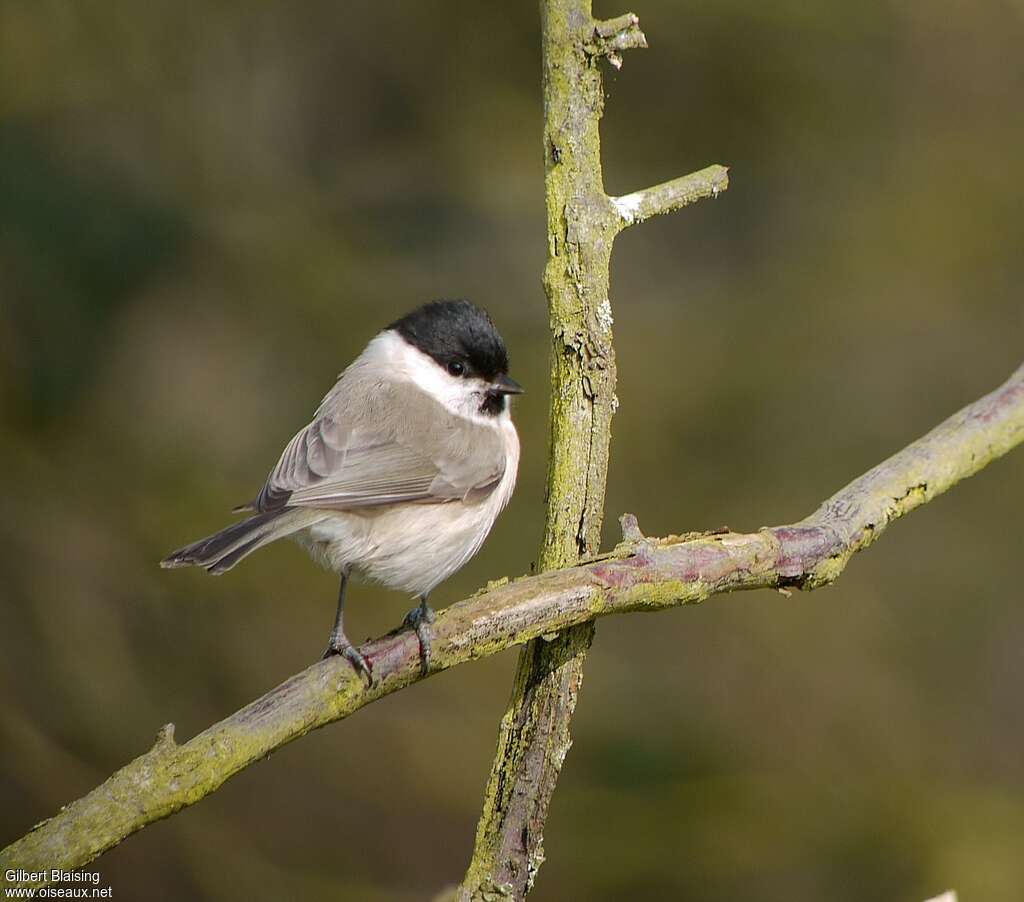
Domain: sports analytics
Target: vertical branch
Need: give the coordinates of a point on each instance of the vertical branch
(582, 222)
(581, 225)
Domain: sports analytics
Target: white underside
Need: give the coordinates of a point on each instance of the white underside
(409, 547)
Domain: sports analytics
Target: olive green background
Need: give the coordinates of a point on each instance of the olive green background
(206, 209)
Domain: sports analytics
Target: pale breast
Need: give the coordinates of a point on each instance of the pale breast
(412, 547)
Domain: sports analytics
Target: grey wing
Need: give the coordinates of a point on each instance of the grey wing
(425, 456)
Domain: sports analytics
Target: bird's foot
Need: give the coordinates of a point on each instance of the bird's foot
(419, 619)
(341, 646)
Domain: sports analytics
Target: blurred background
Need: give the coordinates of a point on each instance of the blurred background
(205, 212)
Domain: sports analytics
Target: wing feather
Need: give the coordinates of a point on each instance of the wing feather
(417, 452)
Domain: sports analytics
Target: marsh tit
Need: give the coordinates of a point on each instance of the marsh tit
(402, 472)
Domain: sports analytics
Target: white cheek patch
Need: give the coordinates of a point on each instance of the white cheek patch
(458, 395)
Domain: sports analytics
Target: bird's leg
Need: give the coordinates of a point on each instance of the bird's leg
(339, 643)
(419, 618)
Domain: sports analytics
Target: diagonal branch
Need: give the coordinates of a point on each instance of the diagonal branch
(639, 575)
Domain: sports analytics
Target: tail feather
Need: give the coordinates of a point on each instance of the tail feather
(224, 549)
(229, 560)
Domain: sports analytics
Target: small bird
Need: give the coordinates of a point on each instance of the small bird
(399, 477)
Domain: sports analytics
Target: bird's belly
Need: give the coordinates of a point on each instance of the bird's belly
(410, 547)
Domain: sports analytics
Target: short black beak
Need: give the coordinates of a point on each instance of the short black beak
(505, 385)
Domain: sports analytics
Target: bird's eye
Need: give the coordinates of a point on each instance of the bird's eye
(457, 368)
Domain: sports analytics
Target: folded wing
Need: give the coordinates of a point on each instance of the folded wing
(402, 446)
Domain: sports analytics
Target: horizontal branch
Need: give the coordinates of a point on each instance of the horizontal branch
(670, 196)
(640, 574)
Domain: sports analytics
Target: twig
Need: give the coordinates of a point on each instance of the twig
(641, 575)
(612, 36)
(671, 196)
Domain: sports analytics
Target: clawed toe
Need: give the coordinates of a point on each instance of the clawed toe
(419, 619)
(355, 657)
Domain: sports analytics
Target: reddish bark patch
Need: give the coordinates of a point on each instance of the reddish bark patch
(802, 547)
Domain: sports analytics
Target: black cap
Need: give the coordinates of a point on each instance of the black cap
(460, 336)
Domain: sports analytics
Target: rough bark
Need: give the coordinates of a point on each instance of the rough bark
(582, 222)
(641, 574)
